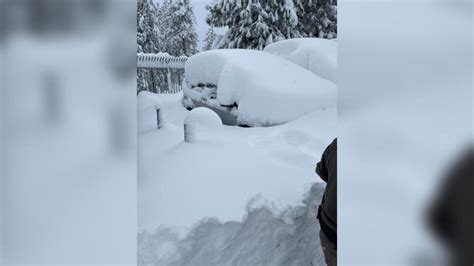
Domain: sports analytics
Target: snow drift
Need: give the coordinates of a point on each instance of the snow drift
(315, 54)
(258, 88)
(265, 236)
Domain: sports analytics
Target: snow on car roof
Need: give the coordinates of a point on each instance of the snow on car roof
(267, 89)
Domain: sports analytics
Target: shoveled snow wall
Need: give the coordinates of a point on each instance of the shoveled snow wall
(265, 236)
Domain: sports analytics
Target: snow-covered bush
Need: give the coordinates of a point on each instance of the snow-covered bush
(315, 54)
(200, 119)
(258, 88)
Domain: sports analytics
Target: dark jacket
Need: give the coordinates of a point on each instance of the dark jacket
(452, 213)
(327, 170)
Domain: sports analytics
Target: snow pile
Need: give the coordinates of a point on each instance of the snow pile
(200, 119)
(149, 100)
(315, 54)
(203, 118)
(258, 88)
(265, 236)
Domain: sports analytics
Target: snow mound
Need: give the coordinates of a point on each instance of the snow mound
(315, 54)
(203, 118)
(147, 103)
(265, 236)
(149, 100)
(260, 89)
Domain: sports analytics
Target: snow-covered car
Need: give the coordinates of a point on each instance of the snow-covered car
(253, 88)
(315, 54)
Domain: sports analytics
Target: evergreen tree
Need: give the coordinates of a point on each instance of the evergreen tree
(178, 28)
(146, 41)
(317, 18)
(149, 41)
(177, 25)
(253, 24)
(209, 40)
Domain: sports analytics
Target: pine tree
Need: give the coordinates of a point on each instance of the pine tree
(149, 41)
(209, 40)
(317, 18)
(178, 26)
(253, 24)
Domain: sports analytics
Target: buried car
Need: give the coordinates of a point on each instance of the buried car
(253, 88)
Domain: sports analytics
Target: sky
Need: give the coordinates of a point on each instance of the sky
(199, 7)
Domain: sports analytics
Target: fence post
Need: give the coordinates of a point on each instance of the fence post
(189, 132)
(159, 118)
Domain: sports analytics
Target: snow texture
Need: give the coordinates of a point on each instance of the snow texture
(249, 182)
(261, 89)
(265, 236)
(315, 54)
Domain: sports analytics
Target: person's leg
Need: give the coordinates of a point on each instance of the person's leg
(329, 250)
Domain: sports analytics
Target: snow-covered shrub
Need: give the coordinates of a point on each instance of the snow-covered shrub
(258, 88)
(315, 54)
(199, 119)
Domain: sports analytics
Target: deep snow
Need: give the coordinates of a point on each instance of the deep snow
(251, 182)
(218, 174)
(265, 236)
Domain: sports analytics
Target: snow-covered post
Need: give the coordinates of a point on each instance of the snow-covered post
(189, 132)
(168, 77)
(202, 119)
(159, 117)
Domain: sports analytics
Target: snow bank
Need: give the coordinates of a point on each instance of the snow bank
(315, 54)
(265, 236)
(260, 89)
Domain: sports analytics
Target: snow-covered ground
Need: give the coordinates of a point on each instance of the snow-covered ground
(180, 183)
(235, 195)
